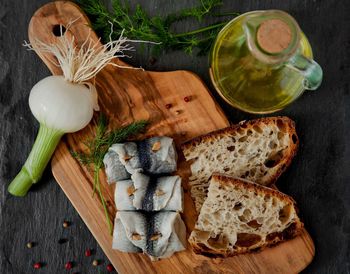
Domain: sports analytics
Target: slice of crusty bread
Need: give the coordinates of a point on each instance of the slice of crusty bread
(240, 216)
(258, 150)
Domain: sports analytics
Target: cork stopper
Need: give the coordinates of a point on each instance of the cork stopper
(274, 36)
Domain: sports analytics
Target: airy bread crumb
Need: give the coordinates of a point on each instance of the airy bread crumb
(258, 150)
(240, 216)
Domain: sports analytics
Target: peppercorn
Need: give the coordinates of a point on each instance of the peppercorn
(68, 265)
(65, 224)
(37, 265)
(62, 241)
(187, 99)
(167, 106)
(30, 245)
(95, 263)
(88, 252)
(152, 61)
(110, 268)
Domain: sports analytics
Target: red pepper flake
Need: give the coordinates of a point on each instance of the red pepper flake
(68, 266)
(110, 268)
(88, 252)
(167, 106)
(37, 265)
(95, 262)
(187, 99)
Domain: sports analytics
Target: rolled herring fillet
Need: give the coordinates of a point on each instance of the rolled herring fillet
(156, 155)
(159, 235)
(149, 193)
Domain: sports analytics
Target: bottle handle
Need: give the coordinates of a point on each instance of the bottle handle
(311, 71)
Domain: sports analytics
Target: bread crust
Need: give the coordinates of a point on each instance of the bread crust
(288, 125)
(225, 180)
(293, 230)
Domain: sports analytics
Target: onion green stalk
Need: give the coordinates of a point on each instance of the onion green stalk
(64, 104)
(38, 158)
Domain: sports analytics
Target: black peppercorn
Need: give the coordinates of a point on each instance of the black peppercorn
(62, 241)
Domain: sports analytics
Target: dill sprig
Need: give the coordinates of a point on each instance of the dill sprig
(137, 24)
(98, 146)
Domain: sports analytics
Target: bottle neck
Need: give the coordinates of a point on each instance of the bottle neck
(272, 36)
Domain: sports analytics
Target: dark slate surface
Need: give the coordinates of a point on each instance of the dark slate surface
(319, 178)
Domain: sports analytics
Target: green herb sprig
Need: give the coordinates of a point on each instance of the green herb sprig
(139, 25)
(98, 146)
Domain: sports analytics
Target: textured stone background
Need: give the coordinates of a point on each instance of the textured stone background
(319, 177)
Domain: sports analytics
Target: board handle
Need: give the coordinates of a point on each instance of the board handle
(45, 26)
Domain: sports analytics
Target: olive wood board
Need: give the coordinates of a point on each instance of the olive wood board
(126, 95)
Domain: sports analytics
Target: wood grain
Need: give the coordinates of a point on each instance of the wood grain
(126, 95)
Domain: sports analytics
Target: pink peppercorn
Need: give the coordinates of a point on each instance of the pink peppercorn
(88, 252)
(187, 99)
(110, 268)
(68, 265)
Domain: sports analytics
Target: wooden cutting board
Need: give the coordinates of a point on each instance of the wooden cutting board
(126, 95)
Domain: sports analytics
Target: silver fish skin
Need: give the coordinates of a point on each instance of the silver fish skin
(163, 160)
(159, 235)
(114, 169)
(129, 234)
(173, 234)
(141, 157)
(167, 194)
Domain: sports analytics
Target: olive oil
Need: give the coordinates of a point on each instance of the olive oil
(249, 83)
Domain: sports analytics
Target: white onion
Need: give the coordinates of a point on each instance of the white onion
(59, 104)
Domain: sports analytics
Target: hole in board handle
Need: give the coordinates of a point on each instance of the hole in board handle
(58, 30)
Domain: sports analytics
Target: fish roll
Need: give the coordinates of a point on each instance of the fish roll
(149, 193)
(156, 155)
(158, 235)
